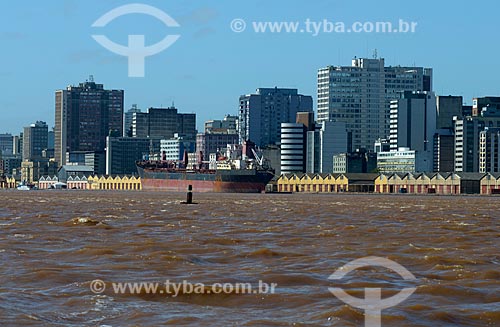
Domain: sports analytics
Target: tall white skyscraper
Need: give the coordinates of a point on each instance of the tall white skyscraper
(360, 96)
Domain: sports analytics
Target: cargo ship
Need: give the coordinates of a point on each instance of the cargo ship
(229, 176)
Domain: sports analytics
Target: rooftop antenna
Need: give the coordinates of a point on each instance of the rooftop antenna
(375, 54)
(91, 78)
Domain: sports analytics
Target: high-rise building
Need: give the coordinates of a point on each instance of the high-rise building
(272, 154)
(466, 111)
(51, 139)
(17, 146)
(403, 160)
(382, 145)
(313, 149)
(228, 125)
(480, 104)
(163, 123)
(261, 114)
(96, 160)
(357, 162)
(35, 140)
(413, 125)
(360, 96)
(123, 152)
(140, 124)
(444, 151)
(447, 108)
(293, 148)
(186, 126)
(467, 141)
(210, 143)
(174, 148)
(462, 142)
(11, 164)
(307, 119)
(489, 154)
(85, 115)
(127, 120)
(6, 144)
(327, 140)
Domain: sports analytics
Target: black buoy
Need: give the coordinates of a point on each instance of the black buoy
(189, 199)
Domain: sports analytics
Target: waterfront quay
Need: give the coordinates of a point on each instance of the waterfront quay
(412, 183)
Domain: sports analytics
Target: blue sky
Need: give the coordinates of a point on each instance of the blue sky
(47, 45)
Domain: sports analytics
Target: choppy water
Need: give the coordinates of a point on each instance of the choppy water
(50, 253)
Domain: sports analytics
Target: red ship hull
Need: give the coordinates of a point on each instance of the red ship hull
(170, 185)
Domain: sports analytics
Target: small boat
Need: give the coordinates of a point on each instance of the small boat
(25, 186)
(58, 186)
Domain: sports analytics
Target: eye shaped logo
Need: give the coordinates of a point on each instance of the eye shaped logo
(373, 304)
(136, 51)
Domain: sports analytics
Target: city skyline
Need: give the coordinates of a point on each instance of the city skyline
(206, 52)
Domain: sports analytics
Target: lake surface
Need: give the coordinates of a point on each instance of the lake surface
(53, 244)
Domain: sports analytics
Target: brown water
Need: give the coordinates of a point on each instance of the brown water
(50, 256)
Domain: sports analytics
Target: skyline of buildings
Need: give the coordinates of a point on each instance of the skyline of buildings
(357, 106)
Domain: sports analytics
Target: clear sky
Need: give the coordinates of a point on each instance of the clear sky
(47, 45)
